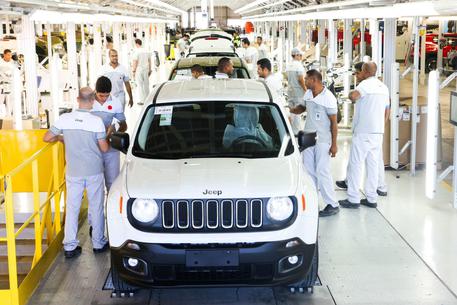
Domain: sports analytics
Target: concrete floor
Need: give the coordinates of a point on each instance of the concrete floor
(401, 253)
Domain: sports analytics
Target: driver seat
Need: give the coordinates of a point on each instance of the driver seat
(246, 123)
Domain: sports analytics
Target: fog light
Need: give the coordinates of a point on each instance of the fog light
(133, 262)
(293, 259)
(133, 246)
(292, 243)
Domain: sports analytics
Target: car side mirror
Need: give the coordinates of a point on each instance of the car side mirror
(120, 141)
(306, 140)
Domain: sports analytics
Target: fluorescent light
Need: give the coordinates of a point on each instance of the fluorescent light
(423, 8)
(266, 6)
(166, 5)
(248, 6)
(445, 18)
(317, 7)
(432, 134)
(60, 18)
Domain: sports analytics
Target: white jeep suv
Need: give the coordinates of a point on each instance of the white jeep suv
(213, 192)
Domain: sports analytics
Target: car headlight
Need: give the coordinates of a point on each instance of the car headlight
(145, 210)
(280, 208)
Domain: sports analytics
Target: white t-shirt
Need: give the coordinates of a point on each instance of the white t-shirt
(221, 75)
(251, 55)
(262, 51)
(204, 76)
(118, 76)
(142, 56)
(274, 83)
(294, 90)
(370, 108)
(318, 109)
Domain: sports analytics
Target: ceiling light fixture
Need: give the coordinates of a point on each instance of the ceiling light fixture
(421, 9)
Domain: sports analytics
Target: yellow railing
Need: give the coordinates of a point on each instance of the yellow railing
(46, 218)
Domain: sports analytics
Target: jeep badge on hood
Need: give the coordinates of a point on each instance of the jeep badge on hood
(212, 192)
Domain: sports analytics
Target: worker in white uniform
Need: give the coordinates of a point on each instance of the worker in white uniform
(7, 67)
(273, 82)
(321, 106)
(198, 72)
(110, 110)
(119, 76)
(85, 139)
(224, 68)
(295, 87)
(382, 185)
(250, 55)
(261, 48)
(372, 107)
(141, 70)
(183, 45)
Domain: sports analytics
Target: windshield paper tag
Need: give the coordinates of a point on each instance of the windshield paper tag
(163, 110)
(166, 114)
(165, 119)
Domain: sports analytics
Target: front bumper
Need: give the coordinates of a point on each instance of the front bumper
(254, 264)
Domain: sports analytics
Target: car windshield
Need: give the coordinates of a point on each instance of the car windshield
(212, 130)
(186, 74)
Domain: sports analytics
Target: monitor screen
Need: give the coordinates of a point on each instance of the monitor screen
(453, 112)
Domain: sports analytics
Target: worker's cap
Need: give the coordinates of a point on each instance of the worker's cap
(296, 51)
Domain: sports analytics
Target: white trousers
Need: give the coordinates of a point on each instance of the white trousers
(365, 148)
(96, 196)
(111, 165)
(382, 185)
(142, 83)
(295, 119)
(316, 160)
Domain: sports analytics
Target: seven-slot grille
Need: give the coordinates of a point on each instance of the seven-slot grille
(212, 214)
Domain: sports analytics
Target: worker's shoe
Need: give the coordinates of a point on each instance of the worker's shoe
(342, 184)
(73, 253)
(348, 205)
(102, 249)
(381, 193)
(329, 210)
(365, 202)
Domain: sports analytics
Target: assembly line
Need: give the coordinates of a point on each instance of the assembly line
(202, 152)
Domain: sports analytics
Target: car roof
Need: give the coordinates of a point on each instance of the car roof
(206, 61)
(242, 90)
(208, 32)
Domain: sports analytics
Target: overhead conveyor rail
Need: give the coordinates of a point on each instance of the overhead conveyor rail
(45, 165)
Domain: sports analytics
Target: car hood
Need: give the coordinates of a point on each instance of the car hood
(212, 178)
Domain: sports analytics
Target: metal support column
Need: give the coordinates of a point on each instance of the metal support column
(394, 115)
(414, 108)
(332, 43)
(97, 53)
(423, 54)
(72, 65)
(390, 34)
(347, 55)
(439, 62)
(83, 59)
(281, 45)
(17, 99)
(27, 43)
(431, 164)
(362, 39)
(116, 36)
(302, 32)
(375, 45)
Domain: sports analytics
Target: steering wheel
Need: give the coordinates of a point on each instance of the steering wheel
(242, 139)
